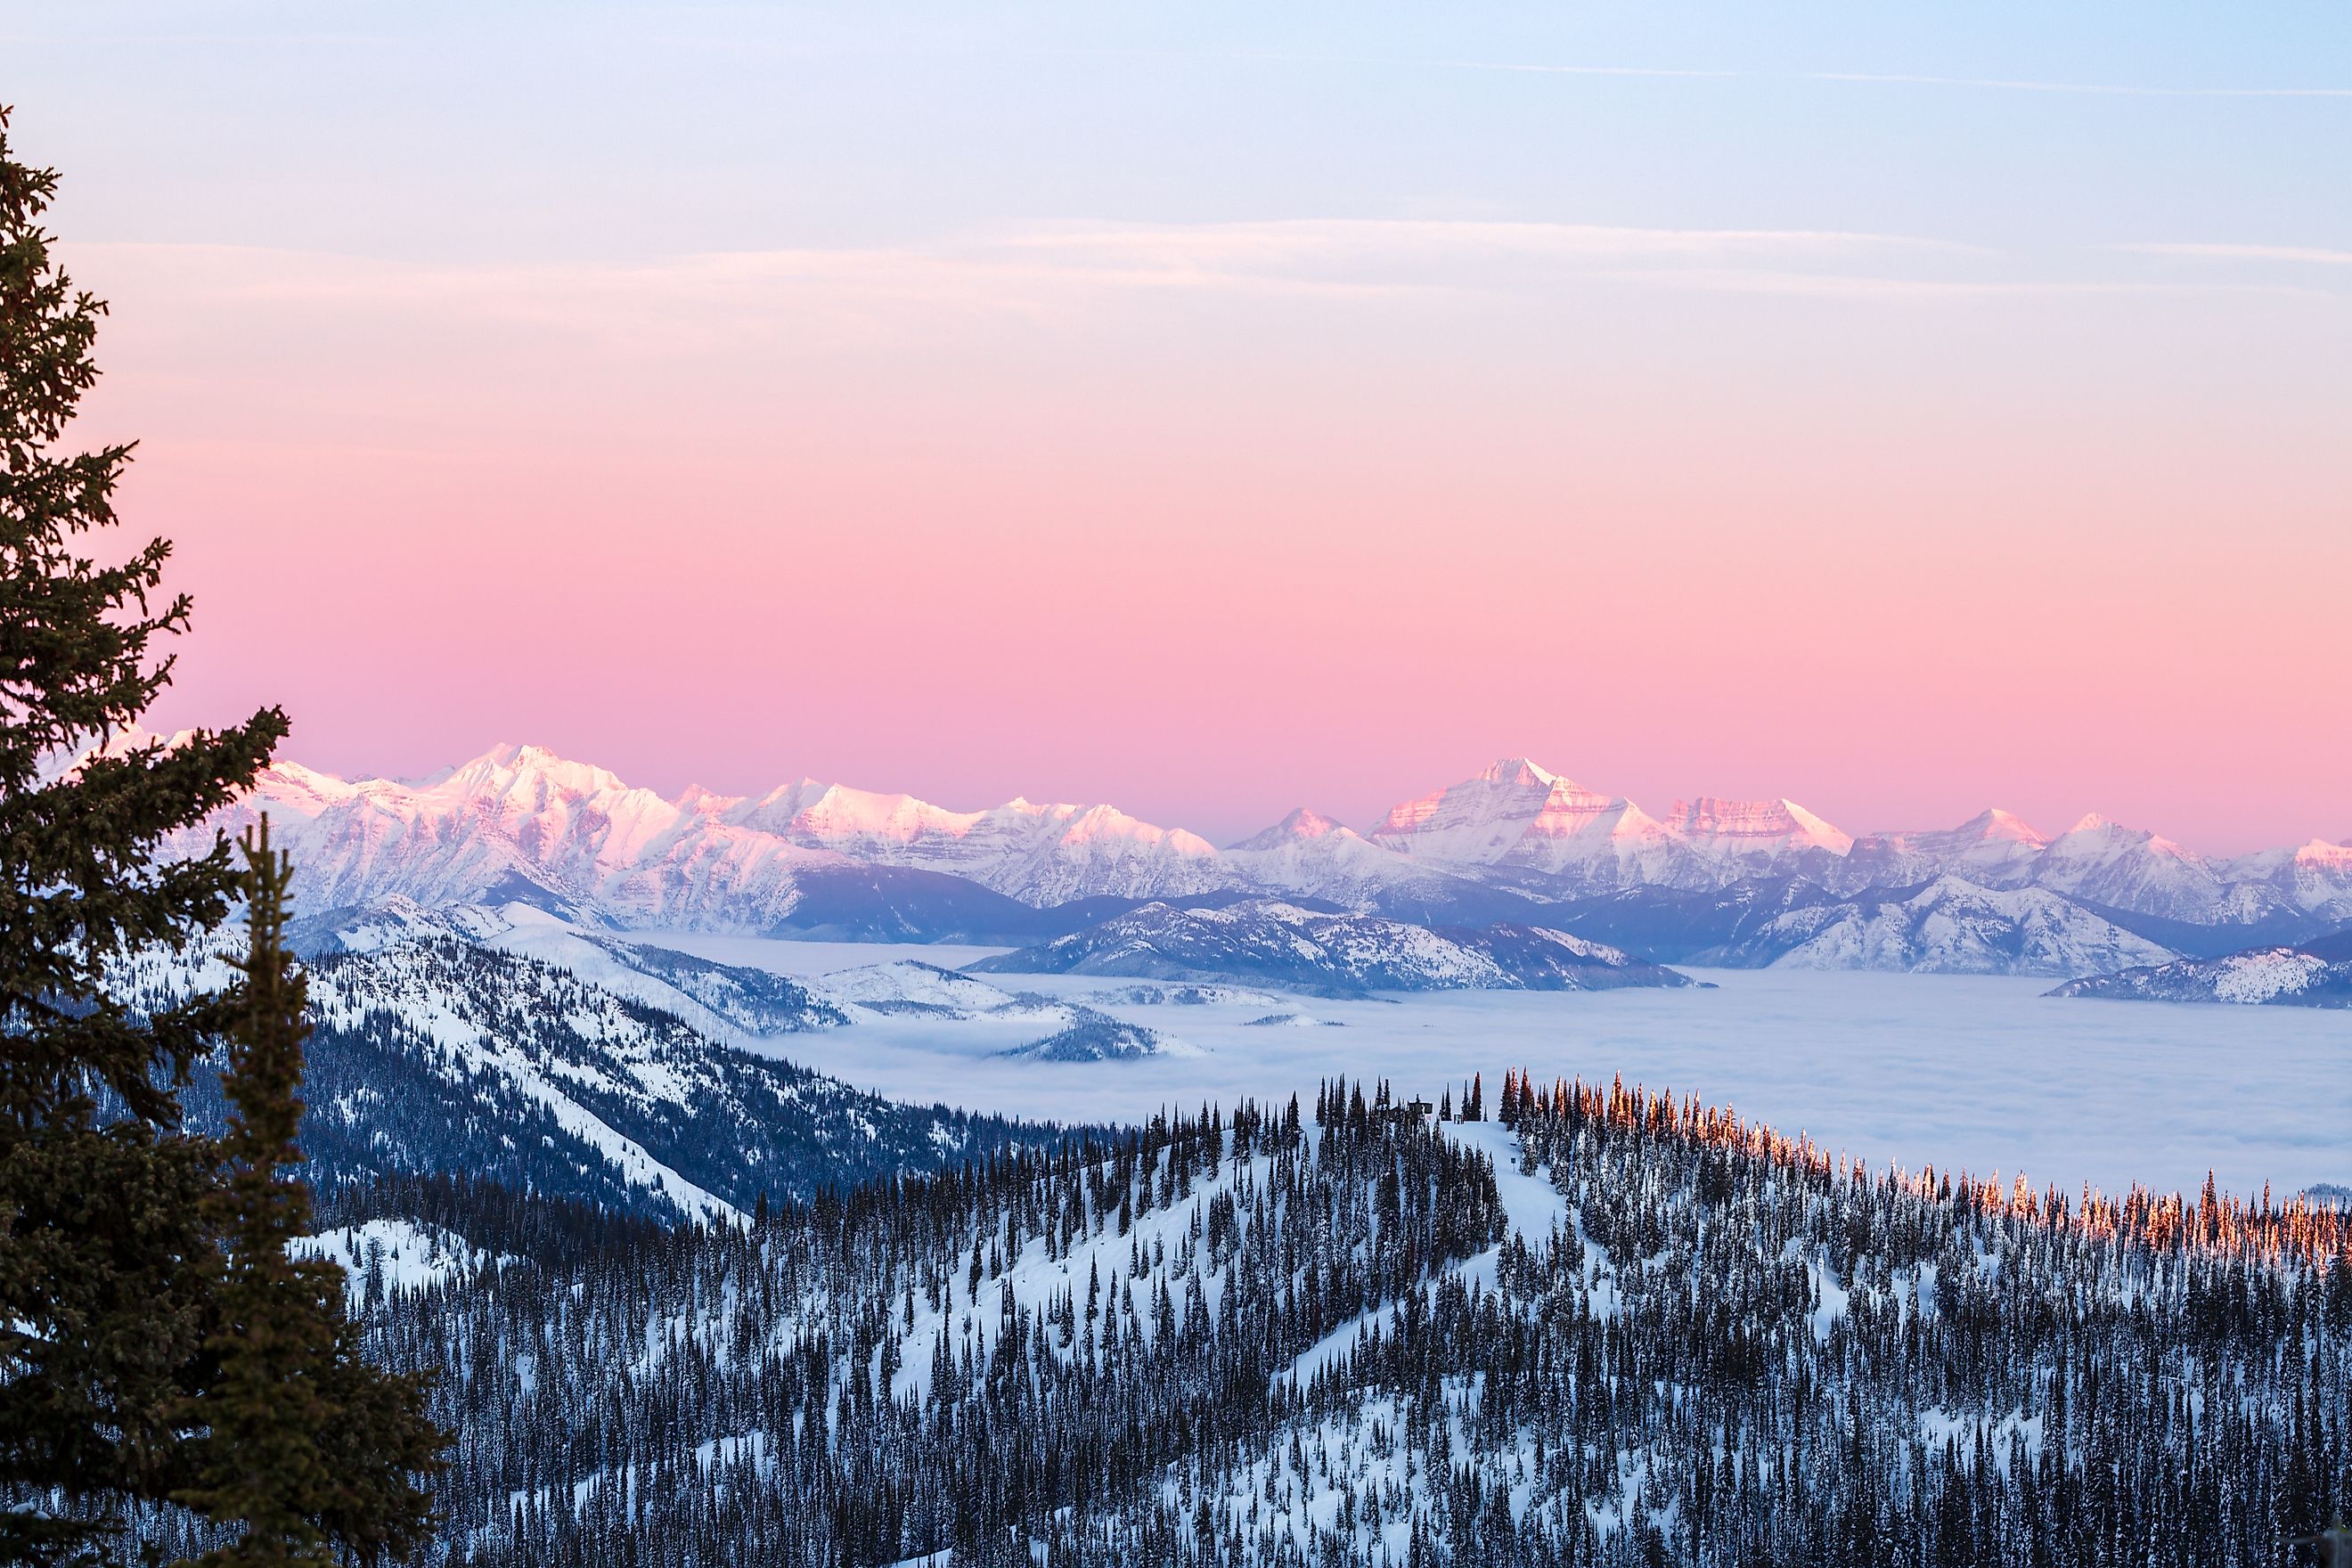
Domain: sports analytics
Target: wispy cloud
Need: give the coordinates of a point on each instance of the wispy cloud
(2090, 89)
(1421, 250)
(1590, 70)
(2310, 254)
(1059, 274)
(1890, 79)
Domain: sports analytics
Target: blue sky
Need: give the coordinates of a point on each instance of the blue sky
(534, 129)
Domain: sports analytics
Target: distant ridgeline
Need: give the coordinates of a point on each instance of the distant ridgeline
(1607, 1328)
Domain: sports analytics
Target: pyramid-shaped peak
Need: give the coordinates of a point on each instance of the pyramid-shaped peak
(1994, 822)
(1519, 771)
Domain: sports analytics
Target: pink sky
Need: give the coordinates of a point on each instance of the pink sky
(1211, 523)
(1217, 409)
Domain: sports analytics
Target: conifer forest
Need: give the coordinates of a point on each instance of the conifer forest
(1315, 1335)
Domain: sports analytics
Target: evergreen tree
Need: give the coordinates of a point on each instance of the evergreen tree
(306, 1445)
(122, 1339)
(102, 1228)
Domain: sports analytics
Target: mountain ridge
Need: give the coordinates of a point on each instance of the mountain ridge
(522, 823)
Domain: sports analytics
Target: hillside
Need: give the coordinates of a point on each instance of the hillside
(436, 1055)
(2308, 974)
(1352, 1334)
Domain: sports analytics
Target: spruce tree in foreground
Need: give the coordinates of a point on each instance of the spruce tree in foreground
(304, 1444)
(109, 1261)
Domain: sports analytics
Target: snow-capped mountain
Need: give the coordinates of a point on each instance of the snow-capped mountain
(2311, 974)
(1517, 818)
(1995, 849)
(1040, 855)
(1510, 844)
(1526, 827)
(519, 824)
(2103, 862)
(1309, 855)
(1270, 942)
(1765, 834)
(2314, 876)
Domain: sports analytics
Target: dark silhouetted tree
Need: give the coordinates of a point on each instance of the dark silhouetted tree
(305, 1446)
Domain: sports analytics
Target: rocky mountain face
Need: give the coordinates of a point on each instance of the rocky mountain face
(1269, 943)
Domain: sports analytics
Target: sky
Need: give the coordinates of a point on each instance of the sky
(1216, 408)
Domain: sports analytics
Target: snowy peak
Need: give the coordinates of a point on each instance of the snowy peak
(839, 817)
(1517, 815)
(1519, 774)
(1994, 848)
(1477, 821)
(522, 822)
(509, 769)
(1994, 826)
(1301, 826)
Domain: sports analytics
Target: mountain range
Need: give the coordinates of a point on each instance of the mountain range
(1514, 843)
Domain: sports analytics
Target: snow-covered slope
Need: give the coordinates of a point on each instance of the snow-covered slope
(2314, 975)
(1038, 854)
(1065, 1031)
(1309, 855)
(1268, 942)
(1995, 849)
(726, 1002)
(2102, 862)
(383, 1256)
(1948, 927)
(618, 1077)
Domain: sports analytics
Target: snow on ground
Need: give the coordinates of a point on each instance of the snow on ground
(403, 1255)
(800, 959)
(908, 984)
(534, 934)
(2257, 977)
(1536, 1208)
(1985, 1072)
(1128, 1269)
